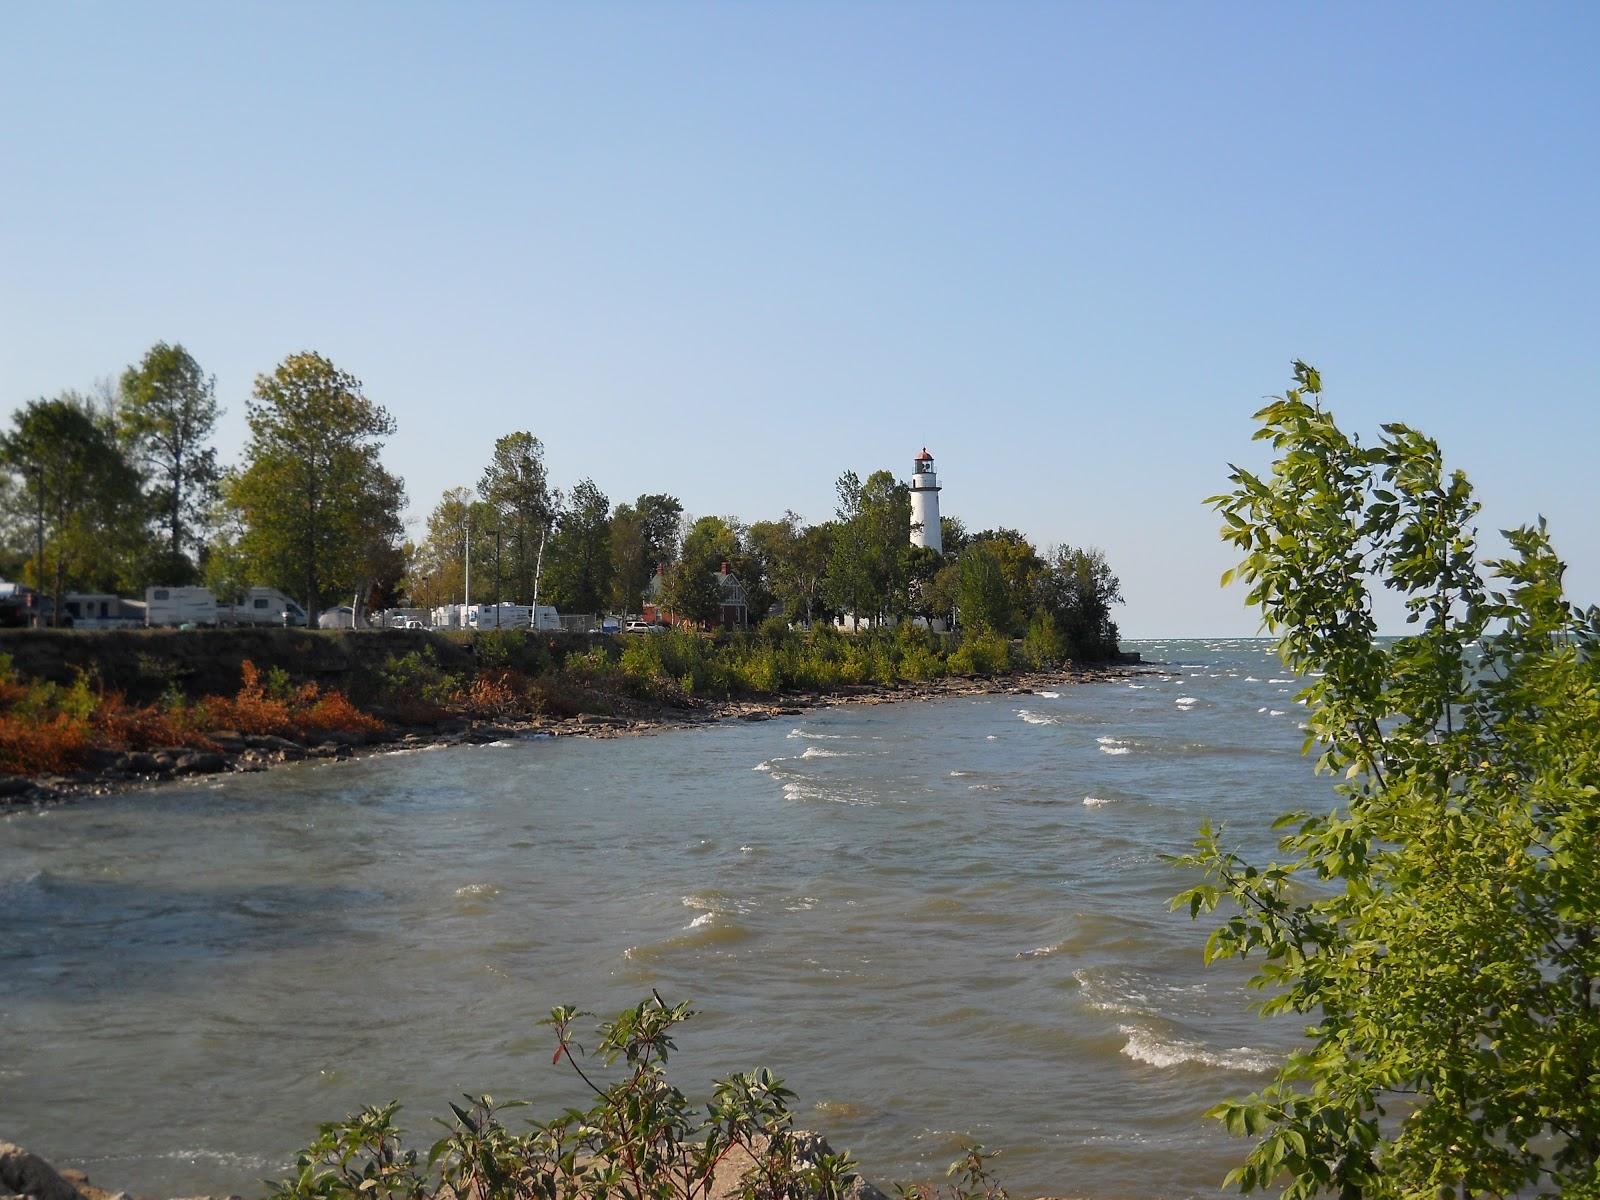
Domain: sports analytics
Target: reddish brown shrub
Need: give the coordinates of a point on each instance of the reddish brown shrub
(333, 711)
(35, 747)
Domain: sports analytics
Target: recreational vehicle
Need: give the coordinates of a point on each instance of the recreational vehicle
(179, 606)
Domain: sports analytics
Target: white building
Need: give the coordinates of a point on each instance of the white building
(925, 503)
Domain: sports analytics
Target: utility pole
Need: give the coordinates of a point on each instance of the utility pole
(496, 532)
(38, 546)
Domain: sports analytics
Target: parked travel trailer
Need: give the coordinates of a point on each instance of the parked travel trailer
(197, 606)
(510, 616)
(100, 610)
(179, 606)
(262, 606)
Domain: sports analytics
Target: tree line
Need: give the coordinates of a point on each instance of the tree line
(119, 488)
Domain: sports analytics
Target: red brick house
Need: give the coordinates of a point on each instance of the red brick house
(735, 604)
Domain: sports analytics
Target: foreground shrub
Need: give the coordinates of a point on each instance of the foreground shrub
(982, 652)
(640, 1140)
(1436, 933)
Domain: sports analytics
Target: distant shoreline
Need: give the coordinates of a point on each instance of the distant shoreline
(238, 753)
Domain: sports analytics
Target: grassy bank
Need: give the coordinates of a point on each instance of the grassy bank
(72, 700)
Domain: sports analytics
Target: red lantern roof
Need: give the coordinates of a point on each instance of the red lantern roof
(924, 456)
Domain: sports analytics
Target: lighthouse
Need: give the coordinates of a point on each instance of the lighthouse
(925, 503)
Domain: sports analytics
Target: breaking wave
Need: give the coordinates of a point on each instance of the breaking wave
(1155, 1051)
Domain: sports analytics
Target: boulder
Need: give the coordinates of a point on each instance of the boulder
(29, 1175)
(200, 762)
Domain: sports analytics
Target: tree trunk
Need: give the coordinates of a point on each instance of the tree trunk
(177, 501)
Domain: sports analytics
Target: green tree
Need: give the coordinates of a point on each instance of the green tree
(952, 535)
(166, 415)
(983, 599)
(660, 516)
(517, 487)
(793, 559)
(1439, 930)
(317, 507)
(1020, 566)
(866, 576)
(81, 493)
(690, 590)
(580, 554)
(644, 536)
(1077, 588)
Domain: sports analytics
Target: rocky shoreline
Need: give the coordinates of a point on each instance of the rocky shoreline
(109, 772)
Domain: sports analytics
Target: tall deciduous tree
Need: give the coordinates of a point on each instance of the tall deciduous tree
(644, 536)
(690, 590)
(1077, 588)
(318, 509)
(166, 414)
(82, 494)
(516, 486)
(580, 555)
(1438, 932)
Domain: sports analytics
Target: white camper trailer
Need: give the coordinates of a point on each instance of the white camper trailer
(542, 617)
(179, 606)
(262, 606)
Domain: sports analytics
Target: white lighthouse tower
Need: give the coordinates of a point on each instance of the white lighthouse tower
(925, 503)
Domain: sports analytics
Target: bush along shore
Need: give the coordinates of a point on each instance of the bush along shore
(89, 713)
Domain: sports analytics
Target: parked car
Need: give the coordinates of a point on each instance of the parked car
(641, 627)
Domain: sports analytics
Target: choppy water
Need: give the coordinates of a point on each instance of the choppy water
(938, 921)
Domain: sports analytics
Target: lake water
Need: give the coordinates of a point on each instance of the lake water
(938, 921)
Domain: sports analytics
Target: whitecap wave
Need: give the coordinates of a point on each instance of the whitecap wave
(959, 774)
(1048, 695)
(1097, 801)
(1187, 701)
(800, 790)
(1275, 712)
(819, 752)
(1033, 718)
(813, 735)
(1153, 1050)
(477, 891)
(1115, 745)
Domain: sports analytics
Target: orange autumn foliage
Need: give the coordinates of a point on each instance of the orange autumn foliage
(38, 735)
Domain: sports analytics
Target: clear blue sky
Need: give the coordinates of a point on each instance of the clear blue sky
(728, 251)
